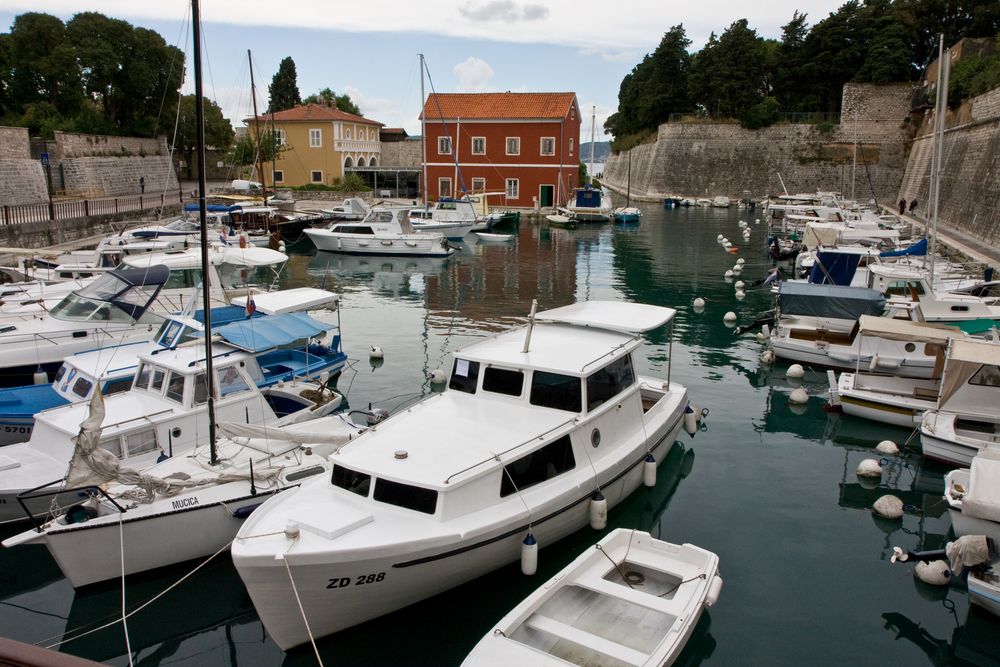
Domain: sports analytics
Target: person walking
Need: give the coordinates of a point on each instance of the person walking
(142, 185)
(902, 206)
(913, 207)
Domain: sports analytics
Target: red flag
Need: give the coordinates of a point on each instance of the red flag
(251, 306)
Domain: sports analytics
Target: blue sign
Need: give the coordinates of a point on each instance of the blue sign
(45, 159)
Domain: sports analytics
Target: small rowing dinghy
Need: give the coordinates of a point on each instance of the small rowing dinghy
(561, 220)
(628, 600)
(489, 237)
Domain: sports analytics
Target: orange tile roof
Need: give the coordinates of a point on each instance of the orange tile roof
(499, 106)
(314, 112)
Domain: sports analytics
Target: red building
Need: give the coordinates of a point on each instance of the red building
(522, 144)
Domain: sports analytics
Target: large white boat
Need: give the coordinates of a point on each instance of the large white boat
(452, 217)
(386, 231)
(973, 495)
(588, 204)
(537, 427)
(352, 208)
(628, 600)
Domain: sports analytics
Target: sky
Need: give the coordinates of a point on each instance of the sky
(369, 49)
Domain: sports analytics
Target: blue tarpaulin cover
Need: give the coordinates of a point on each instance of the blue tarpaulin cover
(840, 268)
(849, 303)
(588, 197)
(266, 333)
(918, 248)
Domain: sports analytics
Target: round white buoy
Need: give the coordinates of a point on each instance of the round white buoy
(799, 396)
(887, 447)
(935, 572)
(598, 511)
(529, 555)
(437, 376)
(719, 238)
(757, 221)
(729, 317)
(740, 295)
(281, 246)
(741, 261)
(738, 269)
(869, 468)
(699, 302)
(690, 420)
(40, 376)
(649, 471)
(888, 506)
(760, 337)
(376, 353)
(729, 273)
(724, 240)
(727, 245)
(740, 284)
(795, 371)
(767, 357)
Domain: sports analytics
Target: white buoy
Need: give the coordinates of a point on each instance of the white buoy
(727, 245)
(740, 295)
(887, 447)
(437, 376)
(690, 420)
(40, 376)
(281, 246)
(795, 371)
(729, 273)
(935, 572)
(740, 284)
(598, 511)
(767, 357)
(738, 269)
(757, 221)
(649, 471)
(873, 364)
(741, 261)
(720, 238)
(376, 353)
(869, 468)
(724, 240)
(799, 396)
(888, 506)
(729, 317)
(760, 337)
(529, 555)
(699, 302)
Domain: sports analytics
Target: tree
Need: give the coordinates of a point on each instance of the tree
(284, 88)
(44, 66)
(789, 62)
(218, 130)
(245, 153)
(331, 99)
(729, 74)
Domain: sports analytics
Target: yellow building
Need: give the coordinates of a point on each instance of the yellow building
(319, 142)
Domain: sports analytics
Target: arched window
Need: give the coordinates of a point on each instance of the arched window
(348, 163)
(373, 162)
(361, 162)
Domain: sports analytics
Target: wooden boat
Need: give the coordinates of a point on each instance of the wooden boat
(629, 600)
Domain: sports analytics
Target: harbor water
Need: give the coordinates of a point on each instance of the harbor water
(770, 487)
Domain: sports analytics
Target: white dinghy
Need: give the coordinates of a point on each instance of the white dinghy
(628, 600)
(540, 427)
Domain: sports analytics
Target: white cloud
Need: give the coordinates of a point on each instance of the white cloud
(611, 56)
(507, 11)
(600, 113)
(474, 75)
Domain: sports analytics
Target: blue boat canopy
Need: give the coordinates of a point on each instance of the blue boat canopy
(840, 268)
(811, 300)
(918, 248)
(214, 208)
(588, 197)
(267, 333)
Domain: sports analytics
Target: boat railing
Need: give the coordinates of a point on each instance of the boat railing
(36, 493)
(497, 455)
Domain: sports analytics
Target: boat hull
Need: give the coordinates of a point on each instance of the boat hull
(351, 244)
(939, 442)
(985, 591)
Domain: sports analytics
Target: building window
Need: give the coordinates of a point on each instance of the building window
(444, 187)
(278, 175)
(347, 133)
(513, 145)
(316, 176)
(513, 186)
(316, 138)
(479, 185)
(479, 145)
(570, 146)
(548, 146)
(280, 136)
(444, 145)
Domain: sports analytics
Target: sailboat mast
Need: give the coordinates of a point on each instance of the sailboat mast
(423, 132)
(938, 144)
(199, 112)
(593, 125)
(256, 124)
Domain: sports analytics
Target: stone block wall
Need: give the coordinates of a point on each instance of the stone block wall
(986, 106)
(74, 144)
(114, 176)
(22, 182)
(400, 154)
(14, 143)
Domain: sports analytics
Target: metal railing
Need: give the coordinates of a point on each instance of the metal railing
(84, 208)
(785, 116)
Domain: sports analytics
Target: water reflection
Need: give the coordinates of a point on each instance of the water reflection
(973, 643)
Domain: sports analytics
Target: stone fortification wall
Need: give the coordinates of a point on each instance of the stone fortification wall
(709, 159)
(22, 180)
(400, 154)
(114, 176)
(14, 143)
(970, 171)
(74, 144)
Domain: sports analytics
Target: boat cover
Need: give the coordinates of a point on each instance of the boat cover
(131, 290)
(982, 499)
(262, 334)
(588, 198)
(964, 359)
(901, 330)
(849, 303)
(840, 268)
(612, 315)
(918, 248)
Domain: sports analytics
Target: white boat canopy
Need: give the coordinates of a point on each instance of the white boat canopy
(191, 258)
(964, 360)
(612, 315)
(289, 300)
(902, 330)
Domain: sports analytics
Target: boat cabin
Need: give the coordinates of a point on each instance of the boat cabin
(970, 387)
(380, 221)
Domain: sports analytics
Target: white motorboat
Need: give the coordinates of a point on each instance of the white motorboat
(184, 507)
(452, 217)
(973, 495)
(535, 422)
(720, 202)
(628, 600)
(589, 204)
(965, 419)
(386, 231)
(488, 237)
(352, 208)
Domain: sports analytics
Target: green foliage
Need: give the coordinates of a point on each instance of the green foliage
(330, 98)
(583, 173)
(245, 153)
(284, 88)
(973, 75)
(624, 143)
(762, 114)
(218, 130)
(350, 183)
(730, 73)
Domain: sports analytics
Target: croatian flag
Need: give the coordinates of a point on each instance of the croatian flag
(251, 306)
(224, 235)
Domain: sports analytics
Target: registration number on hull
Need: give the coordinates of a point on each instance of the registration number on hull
(356, 580)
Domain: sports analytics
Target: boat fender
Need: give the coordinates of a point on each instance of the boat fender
(719, 238)
(40, 376)
(243, 240)
(738, 269)
(760, 337)
(741, 261)
(411, 244)
(740, 295)
(869, 468)
(795, 371)
(649, 471)
(725, 241)
(935, 572)
(873, 364)
(888, 506)
(729, 317)
(799, 396)
(437, 376)
(887, 447)
(690, 420)
(376, 353)
(767, 357)
(729, 273)
(529, 555)
(739, 283)
(598, 511)
(714, 589)
(757, 221)
(699, 302)
(386, 242)
(340, 246)
(246, 510)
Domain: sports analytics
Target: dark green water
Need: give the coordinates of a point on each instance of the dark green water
(768, 487)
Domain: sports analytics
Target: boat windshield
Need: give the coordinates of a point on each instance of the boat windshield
(109, 299)
(77, 308)
(183, 225)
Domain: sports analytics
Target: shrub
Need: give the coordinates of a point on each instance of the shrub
(762, 114)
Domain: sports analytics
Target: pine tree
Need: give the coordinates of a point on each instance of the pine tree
(284, 88)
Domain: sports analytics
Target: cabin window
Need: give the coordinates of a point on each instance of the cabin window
(513, 187)
(113, 387)
(548, 146)
(479, 145)
(352, 480)
(175, 387)
(464, 376)
(167, 333)
(140, 442)
(142, 377)
(479, 185)
(406, 495)
(552, 390)
(183, 279)
(444, 145)
(230, 381)
(513, 145)
(315, 138)
(82, 387)
(302, 474)
(987, 376)
(158, 376)
(113, 445)
(503, 381)
(608, 382)
(551, 460)
(355, 229)
(60, 373)
(200, 389)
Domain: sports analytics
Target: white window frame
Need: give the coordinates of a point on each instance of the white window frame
(515, 192)
(517, 149)
(445, 181)
(541, 146)
(280, 133)
(444, 145)
(278, 175)
(312, 176)
(571, 145)
(481, 152)
(478, 184)
(315, 137)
